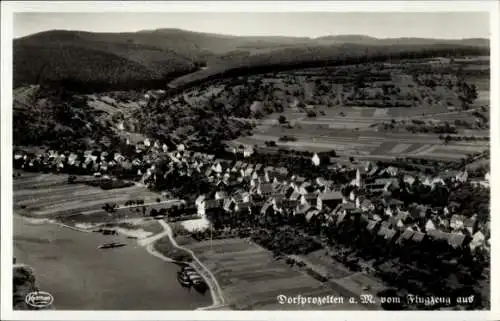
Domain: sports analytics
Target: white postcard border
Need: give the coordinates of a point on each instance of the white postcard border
(8, 8)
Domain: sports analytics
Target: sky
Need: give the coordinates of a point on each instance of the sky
(448, 25)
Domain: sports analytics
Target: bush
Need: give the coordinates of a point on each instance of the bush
(287, 138)
(311, 114)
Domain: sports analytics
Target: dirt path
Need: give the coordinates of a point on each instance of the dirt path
(215, 290)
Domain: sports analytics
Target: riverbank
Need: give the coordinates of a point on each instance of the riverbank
(69, 266)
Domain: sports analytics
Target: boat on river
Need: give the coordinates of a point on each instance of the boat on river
(188, 277)
(110, 245)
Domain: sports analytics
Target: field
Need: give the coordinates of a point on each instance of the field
(251, 278)
(348, 131)
(50, 196)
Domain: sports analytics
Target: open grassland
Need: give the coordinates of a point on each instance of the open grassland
(50, 196)
(251, 278)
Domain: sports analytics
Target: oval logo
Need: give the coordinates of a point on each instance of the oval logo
(39, 299)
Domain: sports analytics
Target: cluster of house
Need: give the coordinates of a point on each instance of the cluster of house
(276, 190)
(92, 162)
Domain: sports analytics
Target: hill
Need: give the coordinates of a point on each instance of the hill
(87, 61)
(314, 56)
(367, 40)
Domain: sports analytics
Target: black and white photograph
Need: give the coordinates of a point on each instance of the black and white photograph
(247, 160)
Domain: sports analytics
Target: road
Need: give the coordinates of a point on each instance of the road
(215, 290)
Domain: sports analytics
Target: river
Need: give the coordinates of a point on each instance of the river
(79, 276)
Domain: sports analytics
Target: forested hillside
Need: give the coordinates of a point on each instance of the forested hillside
(95, 62)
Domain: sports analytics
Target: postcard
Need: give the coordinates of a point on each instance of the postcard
(248, 160)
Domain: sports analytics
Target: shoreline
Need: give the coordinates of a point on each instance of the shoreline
(148, 243)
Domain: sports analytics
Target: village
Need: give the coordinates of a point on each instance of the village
(374, 219)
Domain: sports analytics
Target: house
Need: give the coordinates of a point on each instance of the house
(241, 197)
(219, 195)
(430, 226)
(387, 233)
(303, 208)
(396, 223)
(269, 169)
(304, 188)
(345, 208)
(389, 211)
(266, 177)
(331, 199)
(478, 241)
(372, 225)
(373, 171)
(471, 224)
(405, 236)
(449, 175)
(453, 206)
(404, 216)
(315, 160)
(209, 172)
(201, 208)
(265, 189)
(364, 204)
(418, 237)
(393, 171)
(313, 200)
(211, 204)
(237, 165)
(340, 218)
(443, 222)
(394, 203)
(457, 222)
(229, 205)
(418, 211)
(320, 181)
(456, 240)
(311, 214)
(408, 179)
(375, 188)
(438, 235)
(281, 172)
(300, 179)
(296, 196)
(276, 202)
(462, 177)
(437, 181)
(386, 182)
(352, 196)
(267, 209)
(289, 191)
(358, 182)
(248, 171)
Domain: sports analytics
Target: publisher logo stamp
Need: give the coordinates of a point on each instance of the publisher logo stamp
(39, 299)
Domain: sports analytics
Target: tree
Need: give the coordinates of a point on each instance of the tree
(311, 114)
